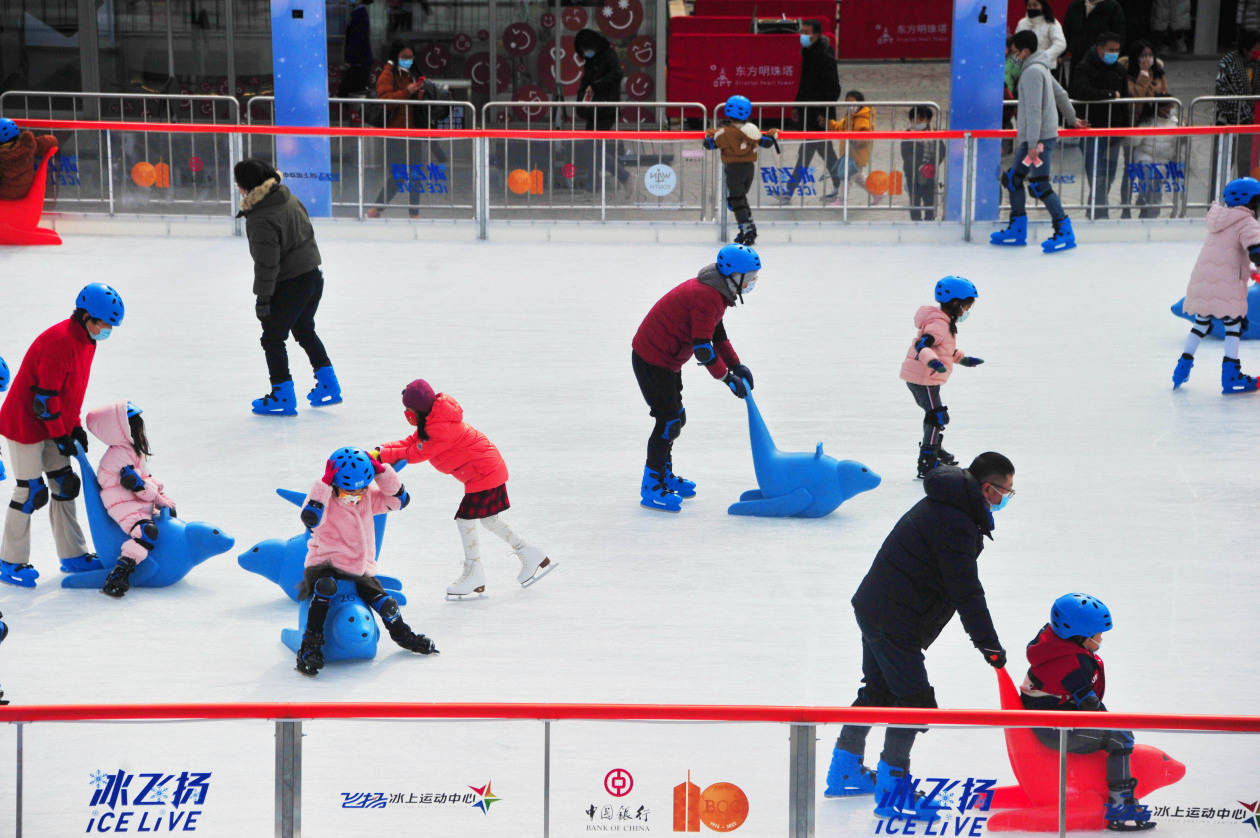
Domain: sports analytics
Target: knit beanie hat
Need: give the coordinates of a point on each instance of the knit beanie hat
(418, 396)
(252, 173)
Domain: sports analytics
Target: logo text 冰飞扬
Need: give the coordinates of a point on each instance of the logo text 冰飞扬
(157, 801)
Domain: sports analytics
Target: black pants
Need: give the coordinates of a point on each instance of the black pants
(1117, 743)
(293, 307)
(354, 82)
(367, 587)
(928, 397)
(922, 200)
(739, 179)
(806, 154)
(662, 390)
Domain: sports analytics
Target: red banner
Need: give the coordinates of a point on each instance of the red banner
(904, 29)
(821, 10)
(690, 25)
(765, 68)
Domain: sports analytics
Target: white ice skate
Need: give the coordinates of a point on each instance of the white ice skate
(534, 565)
(471, 584)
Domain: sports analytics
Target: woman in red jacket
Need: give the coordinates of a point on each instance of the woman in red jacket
(454, 447)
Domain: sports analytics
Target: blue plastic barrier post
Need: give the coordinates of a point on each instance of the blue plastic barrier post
(977, 59)
(299, 48)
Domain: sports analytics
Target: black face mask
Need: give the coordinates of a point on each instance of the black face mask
(1035, 12)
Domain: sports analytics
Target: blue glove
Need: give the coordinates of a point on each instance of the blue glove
(936, 366)
(312, 514)
(922, 343)
(709, 144)
(1089, 701)
(131, 479)
(737, 385)
(744, 373)
(970, 361)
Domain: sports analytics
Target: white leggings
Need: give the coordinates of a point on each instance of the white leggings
(496, 525)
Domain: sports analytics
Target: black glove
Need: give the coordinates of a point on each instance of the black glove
(744, 373)
(1090, 702)
(80, 436)
(925, 341)
(995, 658)
(970, 361)
(262, 309)
(65, 445)
(736, 384)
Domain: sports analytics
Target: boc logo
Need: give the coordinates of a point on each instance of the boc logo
(618, 782)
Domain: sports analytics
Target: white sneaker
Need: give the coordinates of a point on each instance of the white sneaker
(534, 565)
(471, 581)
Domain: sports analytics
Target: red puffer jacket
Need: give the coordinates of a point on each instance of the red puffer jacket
(453, 447)
(690, 312)
(58, 363)
(1061, 674)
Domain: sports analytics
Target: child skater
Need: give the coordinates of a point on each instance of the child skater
(1066, 674)
(1218, 283)
(339, 512)
(931, 359)
(738, 141)
(443, 438)
(130, 494)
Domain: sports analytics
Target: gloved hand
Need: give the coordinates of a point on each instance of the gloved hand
(377, 466)
(1090, 702)
(936, 366)
(330, 471)
(262, 309)
(736, 384)
(65, 445)
(970, 361)
(922, 343)
(311, 514)
(995, 658)
(744, 373)
(131, 479)
(80, 436)
(709, 144)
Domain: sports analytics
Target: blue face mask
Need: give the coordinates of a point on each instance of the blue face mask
(960, 318)
(1002, 505)
(1111, 57)
(102, 335)
(589, 53)
(805, 40)
(406, 63)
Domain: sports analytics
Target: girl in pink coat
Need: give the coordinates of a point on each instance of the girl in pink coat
(1218, 283)
(339, 512)
(454, 447)
(931, 358)
(130, 494)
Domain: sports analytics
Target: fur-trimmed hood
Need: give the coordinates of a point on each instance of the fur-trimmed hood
(255, 195)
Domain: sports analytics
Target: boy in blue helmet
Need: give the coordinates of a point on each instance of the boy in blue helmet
(1218, 283)
(1067, 674)
(688, 321)
(40, 418)
(18, 152)
(738, 140)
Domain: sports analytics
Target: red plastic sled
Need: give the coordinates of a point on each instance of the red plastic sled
(1033, 805)
(19, 220)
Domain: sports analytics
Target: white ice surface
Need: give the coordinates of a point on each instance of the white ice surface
(1126, 490)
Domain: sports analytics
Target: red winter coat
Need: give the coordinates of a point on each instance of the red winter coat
(1060, 669)
(453, 447)
(58, 363)
(690, 312)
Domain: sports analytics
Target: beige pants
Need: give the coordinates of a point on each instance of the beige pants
(27, 462)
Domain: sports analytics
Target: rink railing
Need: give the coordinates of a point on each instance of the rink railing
(803, 734)
(1192, 181)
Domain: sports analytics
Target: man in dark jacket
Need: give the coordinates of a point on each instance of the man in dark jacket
(820, 82)
(601, 75)
(358, 53)
(1099, 78)
(923, 573)
(1085, 20)
(287, 284)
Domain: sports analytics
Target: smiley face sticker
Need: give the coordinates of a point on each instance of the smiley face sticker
(620, 19)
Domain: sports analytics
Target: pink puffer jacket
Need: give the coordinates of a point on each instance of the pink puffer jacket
(930, 320)
(109, 425)
(346, 535)
(1218, 283)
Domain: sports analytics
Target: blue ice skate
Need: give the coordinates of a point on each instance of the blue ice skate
(1233, 380)
(897, 797)
(1181, 374)
(654, 494)
(847, 776)
(22, 575)
(78, 564)
(281, 401)
(680, 486)
(350, 629)
(1014, 235)
(1063, 238)
(327, 390)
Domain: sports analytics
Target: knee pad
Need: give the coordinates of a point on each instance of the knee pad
(36, 497)
(938, 418)
(1205, 324)
(870, 697)
(67, 483)
(671, 428)
(1012, 180)
(325, 587)
(926, 698)
(1039, 188)
(1233, 326)
(145, 533)
(1120, 742)
(386, 607)
(682, 416)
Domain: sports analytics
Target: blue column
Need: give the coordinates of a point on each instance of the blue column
(977, 60)
(299, 49)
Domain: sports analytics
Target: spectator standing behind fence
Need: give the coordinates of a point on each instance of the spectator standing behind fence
(1170, 25)
(1153, 162)
(854, 161)
(1099, 78)
(358, 53)
(1236, 76)
(919, 162)
(820, 82)
(1039, 19)
(601, 78)
(1085, 20)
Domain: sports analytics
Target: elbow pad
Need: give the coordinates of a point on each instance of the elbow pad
(131, 479)
(704, 351)
(47, 404)
(312, 514)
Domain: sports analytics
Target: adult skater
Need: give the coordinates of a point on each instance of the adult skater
(688, 321)
(924, 572)
(288, 285)
(1041, 100)
(40, 418)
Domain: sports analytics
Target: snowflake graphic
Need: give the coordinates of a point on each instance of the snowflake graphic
(160, 794)
(623, 4)
(98, 779)
(606, 11)
(946, 800)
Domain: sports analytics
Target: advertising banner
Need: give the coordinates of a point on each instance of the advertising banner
(870, 29)
(765, 68)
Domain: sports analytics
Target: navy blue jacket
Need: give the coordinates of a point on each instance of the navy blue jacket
(926, 568)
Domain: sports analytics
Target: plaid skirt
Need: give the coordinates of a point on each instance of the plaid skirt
(483, 504)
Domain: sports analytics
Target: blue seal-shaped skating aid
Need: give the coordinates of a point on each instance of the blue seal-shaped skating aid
(181, 545)
(797, 485)
(350, 630)
(1252, 332)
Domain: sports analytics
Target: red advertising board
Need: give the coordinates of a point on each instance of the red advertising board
(904, 29)
(821, 10)
(689, 25)
(765, 68)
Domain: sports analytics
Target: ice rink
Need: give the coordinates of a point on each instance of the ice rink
(1127, 490)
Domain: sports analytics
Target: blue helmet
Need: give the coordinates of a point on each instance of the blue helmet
(737, 259)
(132, 410)
(955, 288)
(101, 303)
(1079, 615)
(738, 107)
(354, 469)
(1239, 191)
(4, 376)
(8, 130)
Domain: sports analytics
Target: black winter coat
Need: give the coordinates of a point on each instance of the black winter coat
(1093, 79)
(601, 74)
(1082, 30)
(926, 568)
(820, 82)
(281, 239)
